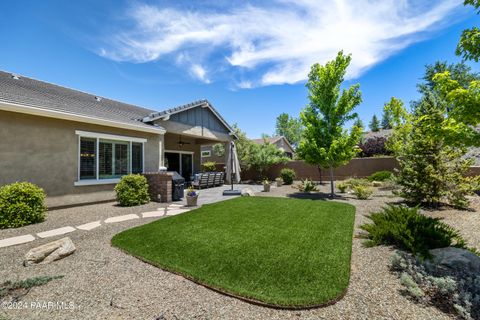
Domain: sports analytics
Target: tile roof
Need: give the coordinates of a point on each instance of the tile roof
(34, 93)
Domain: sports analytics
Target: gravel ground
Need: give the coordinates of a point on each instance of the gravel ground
(104, 283)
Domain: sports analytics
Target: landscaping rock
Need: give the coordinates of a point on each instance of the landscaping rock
(452, 261)
(247, 192)
(49, 252)
(377, 184)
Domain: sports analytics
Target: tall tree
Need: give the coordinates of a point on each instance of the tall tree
(359, 123)
(289, 127)
(385, 121)
(388, 112)
(325, 142)
(374, 124)
(433, 169)
(243, 147)
(469, 45)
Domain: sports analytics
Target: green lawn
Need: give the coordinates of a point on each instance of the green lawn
(279, 251)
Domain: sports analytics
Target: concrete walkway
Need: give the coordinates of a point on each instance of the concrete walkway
(206, 196)
(172, 209)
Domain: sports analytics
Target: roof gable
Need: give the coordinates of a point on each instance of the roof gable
(191, 114)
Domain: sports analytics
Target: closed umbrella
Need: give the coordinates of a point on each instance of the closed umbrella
(232, 170)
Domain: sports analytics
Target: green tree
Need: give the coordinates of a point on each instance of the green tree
(325, 142)
(243, 145)
(388, 116)
(289, 127)
(359, 123)
(385, 121)
(469, 45)
(432, 170)
(263, 156)
(374, 124)
(218, 149)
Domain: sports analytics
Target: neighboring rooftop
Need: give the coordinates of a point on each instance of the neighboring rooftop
(269, 139)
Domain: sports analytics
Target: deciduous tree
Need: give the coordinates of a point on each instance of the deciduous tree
(325, 142)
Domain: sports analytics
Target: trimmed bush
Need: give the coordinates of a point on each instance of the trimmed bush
(287, 175)
(381, 176)
(409, 230)
(132, 190)
(353, 182)
(209, 166)
(362, 192)
(21, 203)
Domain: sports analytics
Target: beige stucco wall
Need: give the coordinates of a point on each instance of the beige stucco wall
(44, 151)
(195, 135)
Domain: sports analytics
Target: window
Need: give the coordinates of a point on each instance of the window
(206, 154)
(137, 157)
(87, 158)
(105, 158)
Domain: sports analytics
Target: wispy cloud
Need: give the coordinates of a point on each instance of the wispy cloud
(277, 43)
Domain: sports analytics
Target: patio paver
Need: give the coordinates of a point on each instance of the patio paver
(89, 226)
(122, 218)
(16, 240)
(55, 232)
(153, 214)
(176, 211)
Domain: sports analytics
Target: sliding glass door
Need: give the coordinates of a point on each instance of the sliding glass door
(181, 162)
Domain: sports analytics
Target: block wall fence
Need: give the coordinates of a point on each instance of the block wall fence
(357, 167)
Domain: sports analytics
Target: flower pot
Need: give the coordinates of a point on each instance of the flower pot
(279, 183)
(192, 201)
(266, 187)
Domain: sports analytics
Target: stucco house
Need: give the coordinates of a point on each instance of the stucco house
(77, 145)
(281, 142)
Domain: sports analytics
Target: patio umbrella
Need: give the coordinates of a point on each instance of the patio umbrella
(232, 170)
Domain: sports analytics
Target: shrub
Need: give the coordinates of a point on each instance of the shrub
(21, 203)
(132, 190)
(342, 186)
(209, 166)
(380, 176)
(307, 186)
(362, 192)
(353, 182)
(374, 146)
(287, 175)
(458, 295)
(407, 229)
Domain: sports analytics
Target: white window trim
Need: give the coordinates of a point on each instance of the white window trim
(98, 136)
(87, 134)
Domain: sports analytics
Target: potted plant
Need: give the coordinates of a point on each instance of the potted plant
(279, 181)
(192, 197)
(266, 185)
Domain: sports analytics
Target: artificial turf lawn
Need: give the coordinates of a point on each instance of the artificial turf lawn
(279, 251)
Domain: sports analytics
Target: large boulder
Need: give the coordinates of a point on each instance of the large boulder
(49, 252)
(453, 262)
(247, 192)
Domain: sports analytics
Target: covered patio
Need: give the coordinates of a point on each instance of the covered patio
(188, 128)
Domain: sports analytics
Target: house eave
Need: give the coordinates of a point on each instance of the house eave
(38, 111)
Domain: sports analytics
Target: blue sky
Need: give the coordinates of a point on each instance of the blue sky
(249, 60)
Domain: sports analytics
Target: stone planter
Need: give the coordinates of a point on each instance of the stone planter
(279, 182)
(192, 201)
(266, 187)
